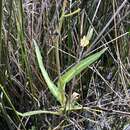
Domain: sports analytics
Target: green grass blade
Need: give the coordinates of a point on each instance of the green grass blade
(75, 70)
(52, 87)
(13, 108)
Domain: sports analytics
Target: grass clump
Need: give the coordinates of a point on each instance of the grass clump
(64, 64)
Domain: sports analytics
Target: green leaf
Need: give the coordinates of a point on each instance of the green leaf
(38, 112)
(52, 87)
(75, 70)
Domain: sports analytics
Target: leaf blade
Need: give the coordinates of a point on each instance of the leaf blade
(76, 69)
(52, 87)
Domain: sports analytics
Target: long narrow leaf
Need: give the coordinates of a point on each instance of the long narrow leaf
(54, 90)
(75, 70)
(31, 113)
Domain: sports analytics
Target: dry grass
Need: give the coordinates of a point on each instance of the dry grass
(103, 87)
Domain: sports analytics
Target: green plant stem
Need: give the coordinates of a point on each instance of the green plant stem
(31, 113)
(6, 117)
(70, 14)
(13, 108)
(58, 40)
(21, 40)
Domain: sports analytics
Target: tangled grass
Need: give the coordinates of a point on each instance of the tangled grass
(59, 27)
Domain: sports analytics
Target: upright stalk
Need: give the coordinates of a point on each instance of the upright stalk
(58, 39)
(1, 17)
(21, 38)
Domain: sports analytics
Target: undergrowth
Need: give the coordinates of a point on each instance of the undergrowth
(64, 64)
